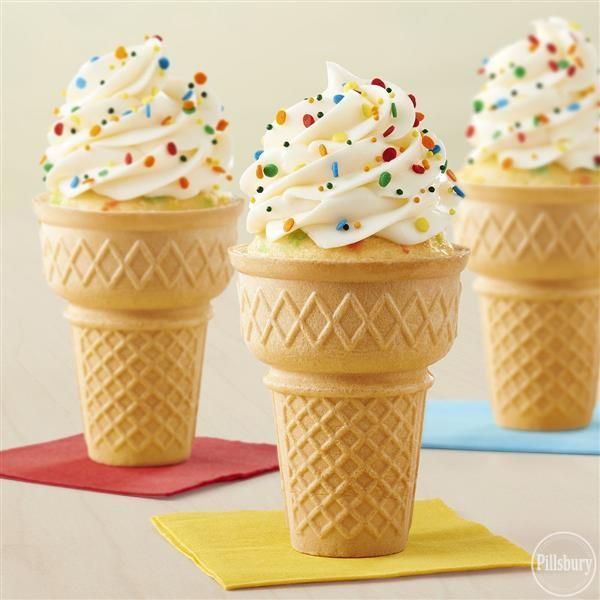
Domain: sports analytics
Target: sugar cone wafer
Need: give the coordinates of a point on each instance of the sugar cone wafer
(349, 346)
(538, 251)
(139, 287)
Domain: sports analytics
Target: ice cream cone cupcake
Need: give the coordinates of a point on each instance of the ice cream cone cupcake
(532, 221)
(134, 230)
(349, 292)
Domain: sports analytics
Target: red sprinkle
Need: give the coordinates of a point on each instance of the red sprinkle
(184, 183)
(553, 65)
(222, 125)
(413, 100)
(128, 158)
(58, 129)
(571, 70)
(551, 48)
(480, 71)
(470, 132)
(389, 154)
(533, 39)
(172, 148)
(377, 81)
(418, 169)
(521, 136)
(597, 160)
(388, 131)
(158, 37)
(308, 120)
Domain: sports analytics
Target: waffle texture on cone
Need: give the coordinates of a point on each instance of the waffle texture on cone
(349, 344)
(139, 287)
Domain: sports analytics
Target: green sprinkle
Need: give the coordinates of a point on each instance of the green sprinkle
(496, 134)
(394, 110)
(563, 63)
(209, 129)
(519, 72)
(75, 109)
(103, 173)
(385, 178)
(478, 106)
(189, 111)
(270, 170)
(47, 167)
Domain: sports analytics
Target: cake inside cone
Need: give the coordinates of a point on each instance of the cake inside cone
(90, 201)
(300, 247)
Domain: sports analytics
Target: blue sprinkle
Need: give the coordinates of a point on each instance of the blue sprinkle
(94, 58)
(436, 149)
(148, 110)
(342, 225)
(502, 103)
(574, 106)
(74, 182)
(188, 95)
(163, 62)
(485, 61)
(80, 82)
(335, 169)
(338, 98)
(257, 154)
(458, 191)
(127, 112)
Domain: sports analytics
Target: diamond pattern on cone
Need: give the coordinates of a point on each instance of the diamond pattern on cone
(349, 468)
(543, 359)
(139, 391)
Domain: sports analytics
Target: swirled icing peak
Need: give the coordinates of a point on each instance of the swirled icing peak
(351, 162)
(129, 130)
(539, 104)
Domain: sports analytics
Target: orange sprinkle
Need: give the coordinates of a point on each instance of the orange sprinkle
(357, 224)
(378, 159)
(280, 117)
(428, 142)
(507, 163)
(184, 183)
(322, 150)
(229, 177)
(149, 161)
(289, 223)
(579, 62)
(425, 163)
(451, 174)
(188, 104)
(109, 204)
(419, 116)
(166, 120)
(95, 130)
(259, 171)
(222, 125)
(321, 188)
(416, 199)
(571, 49)
(366, 168)
(218, 169)
(43, 159)
(200, 78)
(121, 53)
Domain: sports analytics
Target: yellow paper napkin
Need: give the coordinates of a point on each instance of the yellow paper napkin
(252, 548)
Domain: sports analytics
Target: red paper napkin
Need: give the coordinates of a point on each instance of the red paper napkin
(65, 463)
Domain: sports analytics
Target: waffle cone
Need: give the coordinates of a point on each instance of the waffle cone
(349, 346)
(538, 252)
(139, 287)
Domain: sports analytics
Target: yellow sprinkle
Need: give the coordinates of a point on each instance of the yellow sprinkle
(380, 101)
(289, 223)
(366, 168)
(298, 167)
(414, 133)
(43, 159)
(75, 119)
(156, 48)
(322, 150)
(452, 211)
(422, 224)
(373, 139)
(351, 85)
(63, 93)
(425, 163)
(111, 67)
(280, 117)
(357, 224)
(366, 111)
(339, 137)
(124, 95)
(252, 200)
(429, 154)
(311, 100)
(56, 110)
(392, 94)
(199, 121)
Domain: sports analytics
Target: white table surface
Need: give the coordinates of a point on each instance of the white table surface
(63, 543)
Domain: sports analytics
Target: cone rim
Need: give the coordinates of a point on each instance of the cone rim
(156, 220)
(351, 271)
(532, 195)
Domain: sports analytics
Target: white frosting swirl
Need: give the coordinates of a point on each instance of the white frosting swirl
(349, 163)
(128, 130)
(540, 102)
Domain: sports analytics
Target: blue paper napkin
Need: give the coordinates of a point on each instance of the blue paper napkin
(467, 425)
